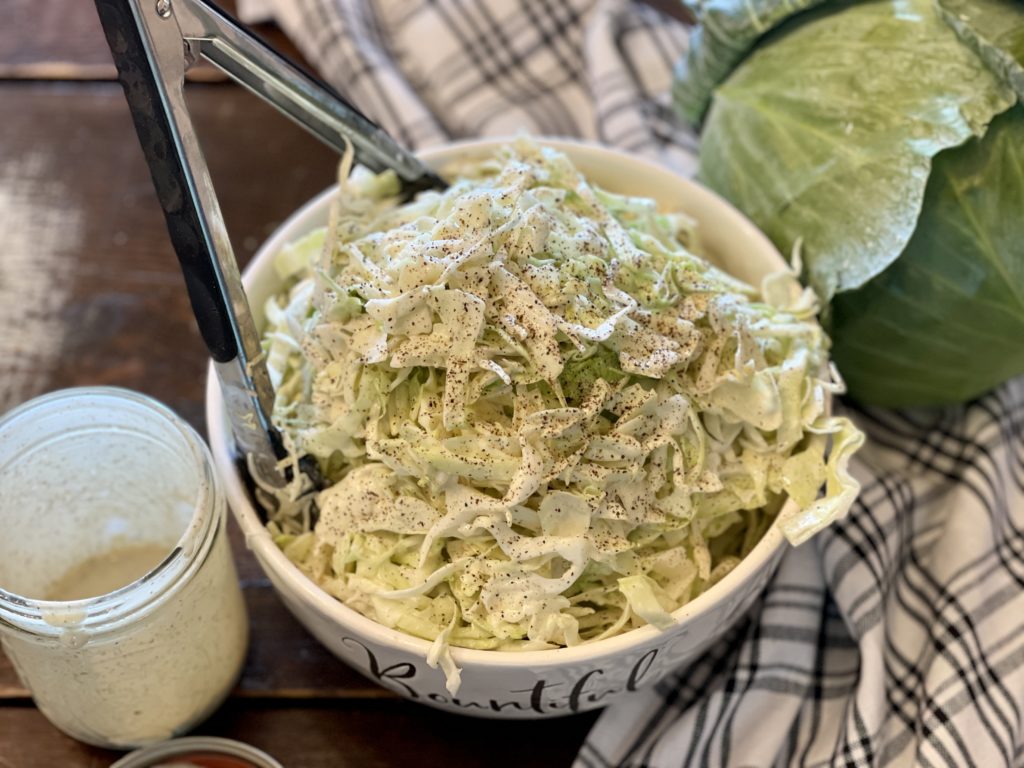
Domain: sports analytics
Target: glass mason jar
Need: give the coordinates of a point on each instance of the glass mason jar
(93, 473)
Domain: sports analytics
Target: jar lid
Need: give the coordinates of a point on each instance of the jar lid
(198, 752)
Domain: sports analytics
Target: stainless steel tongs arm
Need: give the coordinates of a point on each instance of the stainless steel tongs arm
(310, 103)
(149, 52)
(153, 42)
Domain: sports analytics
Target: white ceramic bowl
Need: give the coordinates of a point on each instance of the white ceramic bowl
(505, 684)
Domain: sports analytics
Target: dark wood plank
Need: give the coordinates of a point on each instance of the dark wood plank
(90, 291)
(284, 660)
(63, 40)
(330, 735)
(53, 40)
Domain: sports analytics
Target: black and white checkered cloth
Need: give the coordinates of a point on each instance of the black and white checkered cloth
(432, 71)
(895, 637)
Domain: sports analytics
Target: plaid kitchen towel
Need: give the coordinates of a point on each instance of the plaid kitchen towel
(894, 637)
(429, 72)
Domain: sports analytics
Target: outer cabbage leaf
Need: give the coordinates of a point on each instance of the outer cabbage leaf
(725, 33)
(827, 132)
(995, 31)
(951, 309)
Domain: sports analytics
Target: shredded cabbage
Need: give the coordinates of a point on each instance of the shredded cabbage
(543, 417)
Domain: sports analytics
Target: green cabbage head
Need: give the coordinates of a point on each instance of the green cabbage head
(886, 141)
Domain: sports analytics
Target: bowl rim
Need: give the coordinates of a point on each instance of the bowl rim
(273, 560)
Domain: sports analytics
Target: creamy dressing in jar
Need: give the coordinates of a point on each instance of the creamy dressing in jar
(106, 572)
(111, 510)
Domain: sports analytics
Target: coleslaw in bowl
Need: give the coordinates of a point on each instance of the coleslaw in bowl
(546, 419)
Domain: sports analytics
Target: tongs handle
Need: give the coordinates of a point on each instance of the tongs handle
(171, 176)
(153, 42)
(150, 59)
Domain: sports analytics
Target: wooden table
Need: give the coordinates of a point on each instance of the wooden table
(90, 293)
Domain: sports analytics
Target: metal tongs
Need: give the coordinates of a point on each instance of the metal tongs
(153, 43)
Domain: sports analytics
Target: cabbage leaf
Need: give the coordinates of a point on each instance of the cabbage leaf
(951, 309)
(827, 131)
(994, 29)
(725, 33)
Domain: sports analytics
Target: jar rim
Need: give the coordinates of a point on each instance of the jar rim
(190, 745)
(50, 618)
